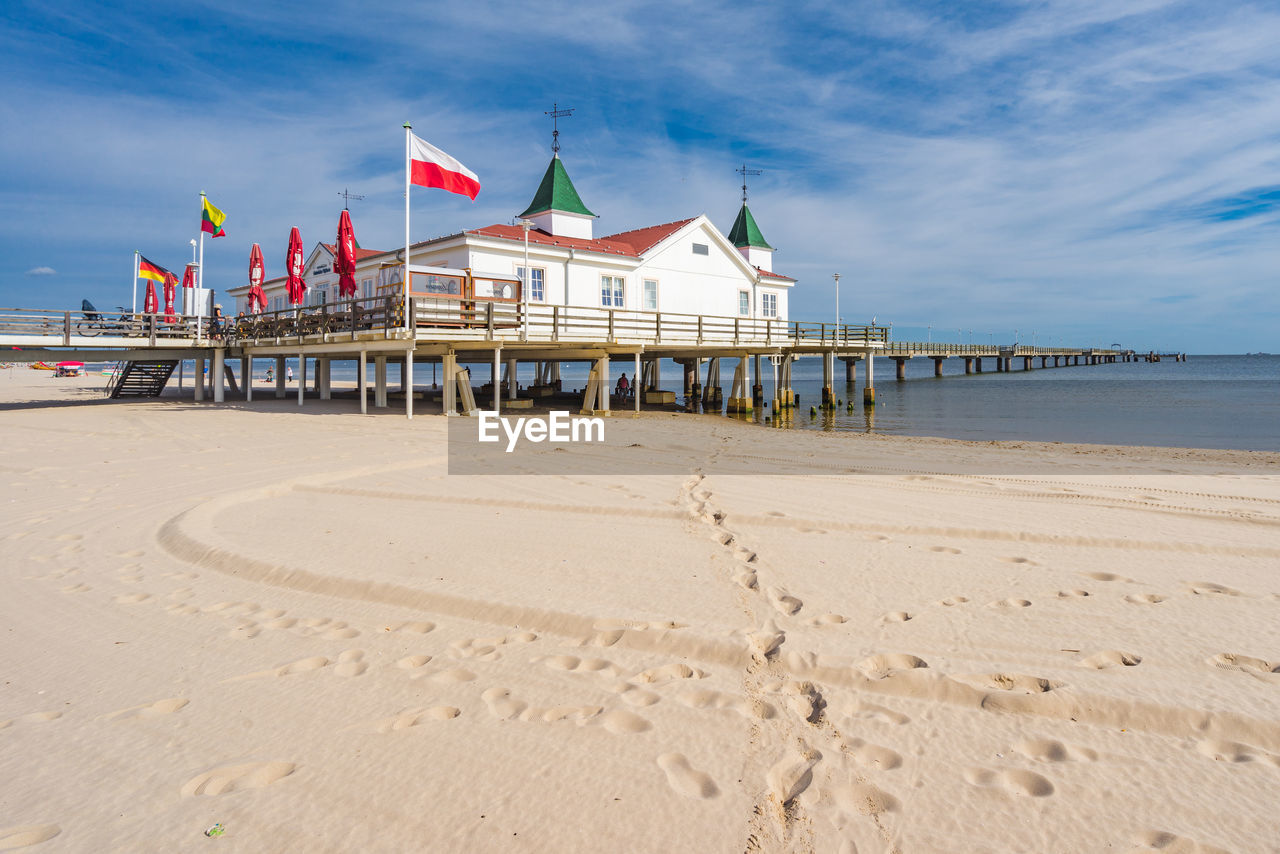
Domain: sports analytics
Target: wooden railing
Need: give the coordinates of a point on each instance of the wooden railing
(331, 321)
(66, 325)
(921, 348)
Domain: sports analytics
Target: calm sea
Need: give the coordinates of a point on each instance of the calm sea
(1206, 402)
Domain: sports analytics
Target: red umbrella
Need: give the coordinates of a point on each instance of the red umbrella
(293, 262)
(189, 277)
(345, 262)
(151, 305)
(257, 274)
(170, 283)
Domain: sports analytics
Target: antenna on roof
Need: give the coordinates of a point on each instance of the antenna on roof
(347, 197)
(556, 114)
(744, 172)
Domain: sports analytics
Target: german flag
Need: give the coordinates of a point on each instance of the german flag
(147, 270)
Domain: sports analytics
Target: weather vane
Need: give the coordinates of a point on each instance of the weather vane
(347, 197)
(744, 172)
(556, 114)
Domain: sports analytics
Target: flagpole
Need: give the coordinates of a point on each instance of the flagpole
(133, 288)
(195, 299)
(408, 158)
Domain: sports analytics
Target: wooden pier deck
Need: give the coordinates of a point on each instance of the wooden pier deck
(451, 333)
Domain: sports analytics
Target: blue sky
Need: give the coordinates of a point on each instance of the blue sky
(1095, 171)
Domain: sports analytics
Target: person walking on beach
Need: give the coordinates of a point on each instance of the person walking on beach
(623, 386)
(288, 373)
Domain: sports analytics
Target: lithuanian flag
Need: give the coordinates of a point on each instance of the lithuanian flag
(147, 270)
(211, 219)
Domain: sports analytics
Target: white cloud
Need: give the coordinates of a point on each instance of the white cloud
(42, 271)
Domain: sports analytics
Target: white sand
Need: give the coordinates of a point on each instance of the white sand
(295, 624)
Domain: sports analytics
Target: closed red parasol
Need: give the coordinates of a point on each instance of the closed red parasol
(257, 274)
(345, 262)
(151, 305)
(170, 285)
(293, 266)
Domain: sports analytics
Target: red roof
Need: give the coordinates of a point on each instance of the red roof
(604, 245)
(767, 274)
(361, 254)
(644, 239)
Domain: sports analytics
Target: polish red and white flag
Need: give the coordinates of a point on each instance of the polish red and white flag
(431, 167)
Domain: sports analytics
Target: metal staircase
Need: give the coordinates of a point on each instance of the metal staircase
(141, 379)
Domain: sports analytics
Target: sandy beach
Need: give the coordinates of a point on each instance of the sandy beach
(296, 624)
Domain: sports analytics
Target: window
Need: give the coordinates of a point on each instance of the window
(650, 295)
(536, 276)
(701, 249)
(744, 303)
(769, 305)
(611, 291)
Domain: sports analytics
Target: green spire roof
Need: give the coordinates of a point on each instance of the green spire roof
(745, 232)
(556, 193)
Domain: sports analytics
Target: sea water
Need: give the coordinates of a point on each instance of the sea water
(1228, 402)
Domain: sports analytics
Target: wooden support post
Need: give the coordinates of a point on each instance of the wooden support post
(937, 366)
(902, 368)
(322, 377)
(280, 389)
(602, 365)
(739, 401)
(462, 381)
(449, 370)
(512, 386)
(968, 364)
(850, 371)
(408, 382)
(215, 375)
(1026, 363)
(977, 364)
(828, 379)
(246, 377)
(379, 381)
(199, 383)
(362, 381)
(635, 389)
(495, 379)
(302, 376)
(869, 392)
(757, 388)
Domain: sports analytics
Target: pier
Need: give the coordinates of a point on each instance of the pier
(502, 334)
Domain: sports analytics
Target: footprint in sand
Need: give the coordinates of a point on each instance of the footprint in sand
(1015, 682)
(413, 662)
(667, 673)
(77, 588)
(573, 664)
(685, 779)
(710, 699)
(1018, 559)
(24, 835)
(945, 550)
(622, 722)
(826, 620)
(783, 602)
(235, 778)
(873, 756)
(351, 663)
(1145, 598)
(952, 601)
(412, 718)
(31, 718)
(131, 598)
(1208, 588)
(151, 710)
(1244, 664)
(1049, 750)
(884, 665)
(792, 774)
(1105, 576)
(863, 710)
(1221, 750)
(1171, 843)
(863, 799)
(1072, 594)
(486, 649)
(1111, 658)
(894, 617)
(304, 665)
(1014, 781)
(417, 628)
(1010, 603)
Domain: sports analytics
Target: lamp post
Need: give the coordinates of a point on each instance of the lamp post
(836, 276)
(524, 284)
(930, 328)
